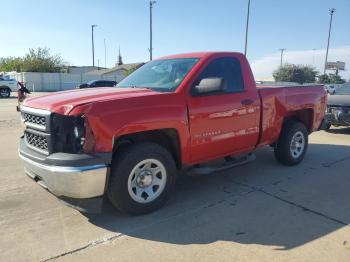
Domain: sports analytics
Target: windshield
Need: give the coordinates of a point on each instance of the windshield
(343, 91)
(160, 75)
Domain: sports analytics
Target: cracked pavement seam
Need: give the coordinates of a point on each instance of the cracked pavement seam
(91, 244)
(256, 189)
(335, 162)
(119, 235)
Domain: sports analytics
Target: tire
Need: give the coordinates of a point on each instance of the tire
(292, 144)
(327, 127)
(5, 92)
(139, 168)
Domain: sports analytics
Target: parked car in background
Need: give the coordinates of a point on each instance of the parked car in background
(176, 112)
(98, 83)
(7, 86)
(330, 89)
(338, 108)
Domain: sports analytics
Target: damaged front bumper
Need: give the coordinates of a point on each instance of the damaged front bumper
(71, 177)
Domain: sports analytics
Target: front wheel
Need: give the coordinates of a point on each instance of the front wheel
(292, 144)
(5, 92)
(142, 176)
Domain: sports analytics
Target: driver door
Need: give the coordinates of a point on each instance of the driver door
(226, 122)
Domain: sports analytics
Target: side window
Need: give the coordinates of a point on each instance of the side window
(227, 68)
(99, 83)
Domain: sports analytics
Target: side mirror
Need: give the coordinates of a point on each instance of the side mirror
(209, 85)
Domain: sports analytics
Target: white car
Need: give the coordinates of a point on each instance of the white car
(7, 86)
(330, 89)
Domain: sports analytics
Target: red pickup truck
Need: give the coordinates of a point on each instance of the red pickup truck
(176, 112)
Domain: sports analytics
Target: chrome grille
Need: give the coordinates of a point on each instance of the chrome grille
(37, 141)
(34, 119)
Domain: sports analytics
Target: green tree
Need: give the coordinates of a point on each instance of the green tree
(295, 73)
(11, 64)
(330, 79)
(39, 60)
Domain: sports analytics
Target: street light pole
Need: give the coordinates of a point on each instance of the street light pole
(282, 50)
(331, 12)
(151, 3)
(93, 45)
(246, 30)
(104, 43)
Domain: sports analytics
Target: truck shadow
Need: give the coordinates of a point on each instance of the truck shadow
(261, 203)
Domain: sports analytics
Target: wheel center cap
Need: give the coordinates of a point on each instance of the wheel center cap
(144, 179)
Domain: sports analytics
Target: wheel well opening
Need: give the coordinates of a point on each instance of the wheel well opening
(304, 116)
(168, 138)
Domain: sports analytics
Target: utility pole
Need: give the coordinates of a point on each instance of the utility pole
(282, 50)
(331, 12)
(104, 43)
(313, 57)
(246, 30)
(93, 45)
(151, 3)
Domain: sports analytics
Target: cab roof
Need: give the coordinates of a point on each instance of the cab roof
(199, 54)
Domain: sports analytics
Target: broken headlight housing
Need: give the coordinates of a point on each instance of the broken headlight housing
(72, 134)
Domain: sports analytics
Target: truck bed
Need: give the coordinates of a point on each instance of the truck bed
(307, 103)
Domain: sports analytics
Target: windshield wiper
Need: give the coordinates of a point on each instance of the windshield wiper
(134, 86)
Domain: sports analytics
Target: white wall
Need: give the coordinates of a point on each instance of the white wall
(58, 81)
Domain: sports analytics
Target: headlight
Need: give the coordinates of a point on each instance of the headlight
(72, 134)
(78, 131)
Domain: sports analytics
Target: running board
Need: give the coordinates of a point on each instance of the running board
(230, 162)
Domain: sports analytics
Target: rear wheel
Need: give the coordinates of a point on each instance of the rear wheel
(292, 144)
(142, 176)
(5, 92)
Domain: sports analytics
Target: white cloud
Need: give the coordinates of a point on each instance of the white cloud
(264, 67)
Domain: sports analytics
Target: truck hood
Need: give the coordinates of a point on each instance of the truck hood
(339, 100)
(64, 102)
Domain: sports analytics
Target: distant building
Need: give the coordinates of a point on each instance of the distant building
(82, 69)
(116, 73)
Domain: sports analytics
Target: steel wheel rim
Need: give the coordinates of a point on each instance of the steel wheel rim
(147, 181)
(297, 144)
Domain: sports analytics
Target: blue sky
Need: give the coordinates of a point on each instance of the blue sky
(179, 26)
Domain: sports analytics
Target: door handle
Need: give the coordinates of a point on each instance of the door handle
(247, 102)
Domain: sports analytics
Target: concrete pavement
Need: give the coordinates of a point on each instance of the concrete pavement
(259, 212)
